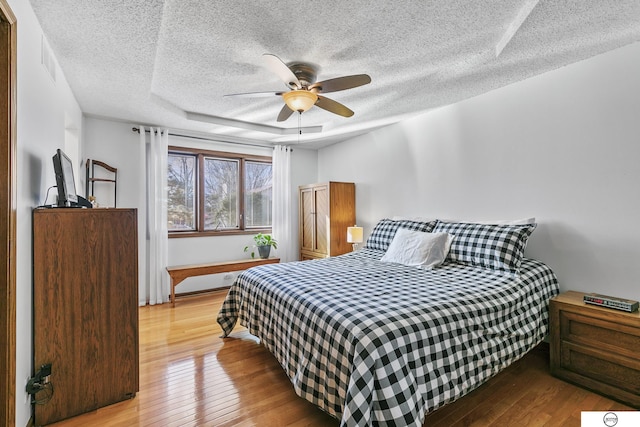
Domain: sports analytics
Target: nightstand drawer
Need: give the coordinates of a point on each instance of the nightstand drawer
(602, 366)
(599, 333)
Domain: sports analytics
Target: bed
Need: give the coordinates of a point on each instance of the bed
(377, 342)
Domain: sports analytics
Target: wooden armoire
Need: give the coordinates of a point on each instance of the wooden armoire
(326, 210)
(85, 308)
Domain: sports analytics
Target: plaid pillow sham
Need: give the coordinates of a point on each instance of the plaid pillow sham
(499, 247)
(385, 230)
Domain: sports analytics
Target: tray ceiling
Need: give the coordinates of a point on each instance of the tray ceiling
(170, 63)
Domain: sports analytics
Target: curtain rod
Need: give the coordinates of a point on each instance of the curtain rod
(202, 138)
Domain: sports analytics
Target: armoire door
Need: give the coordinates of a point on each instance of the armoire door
(321, 203)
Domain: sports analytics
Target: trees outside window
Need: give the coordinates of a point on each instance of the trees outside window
(258, 194)
(221, 193)
(181, 195)
(216, 193)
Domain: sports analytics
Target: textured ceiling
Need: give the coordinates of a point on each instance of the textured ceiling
(170, 63)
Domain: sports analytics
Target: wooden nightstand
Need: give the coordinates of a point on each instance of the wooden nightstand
(597, 348)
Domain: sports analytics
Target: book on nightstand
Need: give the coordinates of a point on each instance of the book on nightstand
(611, 302)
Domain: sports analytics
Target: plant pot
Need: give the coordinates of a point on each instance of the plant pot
(264, 251)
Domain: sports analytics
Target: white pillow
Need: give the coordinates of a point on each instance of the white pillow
(418, 249)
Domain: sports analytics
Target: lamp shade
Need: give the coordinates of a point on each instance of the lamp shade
(300, 100)
(354, 234)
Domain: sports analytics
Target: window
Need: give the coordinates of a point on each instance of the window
(257, 194)
(217, 193)
(221, 179)
(181, 180)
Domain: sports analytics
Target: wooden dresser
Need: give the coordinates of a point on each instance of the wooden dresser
(326, 210)
(85, 307)
(597, 348)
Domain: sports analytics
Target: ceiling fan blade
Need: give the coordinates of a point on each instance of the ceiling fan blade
(333, 107)
(341, 83)
(255, 94)
(276, 65)
(285, 113)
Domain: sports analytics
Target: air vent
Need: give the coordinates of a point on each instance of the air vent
(48, 61)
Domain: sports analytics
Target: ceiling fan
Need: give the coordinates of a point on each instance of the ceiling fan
(305, 92)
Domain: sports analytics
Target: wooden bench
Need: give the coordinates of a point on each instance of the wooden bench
(180, 272)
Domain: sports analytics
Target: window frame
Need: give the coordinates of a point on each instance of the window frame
(200, 156)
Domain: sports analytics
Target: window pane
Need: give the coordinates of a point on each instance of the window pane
(181, 181)
(220, 193)
(257, 194)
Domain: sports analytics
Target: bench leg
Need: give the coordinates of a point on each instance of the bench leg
(173, 294)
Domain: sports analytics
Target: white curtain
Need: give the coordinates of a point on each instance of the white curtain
(282, 225)
(157, 286)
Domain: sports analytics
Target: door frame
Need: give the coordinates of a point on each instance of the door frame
(8, 206)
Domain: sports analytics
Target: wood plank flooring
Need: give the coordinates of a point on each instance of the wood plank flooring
(189, 376)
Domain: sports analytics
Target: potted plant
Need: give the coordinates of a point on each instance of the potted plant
(263, 242)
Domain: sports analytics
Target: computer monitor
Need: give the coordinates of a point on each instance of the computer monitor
(65, 181)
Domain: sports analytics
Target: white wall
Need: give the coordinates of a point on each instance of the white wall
(563, 147)
(46, 113)
(114, 143)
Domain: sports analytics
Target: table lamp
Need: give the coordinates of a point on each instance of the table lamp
(354, 235)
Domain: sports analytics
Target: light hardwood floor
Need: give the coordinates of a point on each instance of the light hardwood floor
(189, 376)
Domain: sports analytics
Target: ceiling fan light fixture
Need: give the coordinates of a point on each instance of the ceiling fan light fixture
(300, 100)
